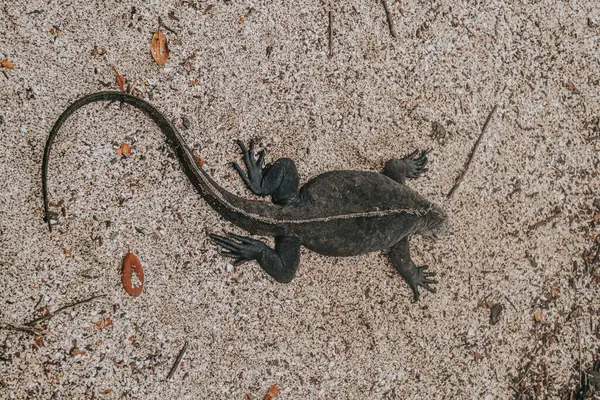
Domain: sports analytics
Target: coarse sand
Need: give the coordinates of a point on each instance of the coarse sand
(525, 216)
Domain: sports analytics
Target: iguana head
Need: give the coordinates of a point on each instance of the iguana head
(436, 223)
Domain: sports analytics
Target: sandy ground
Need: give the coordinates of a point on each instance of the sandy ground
(345, 328)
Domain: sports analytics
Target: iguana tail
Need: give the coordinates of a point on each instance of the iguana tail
(253, 216)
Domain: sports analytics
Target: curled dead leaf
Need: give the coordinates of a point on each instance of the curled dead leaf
(539, 316)
(79, 354)
(132, 275)
(104, 323)
(273, 392)
(124, 149)
(120, 80)
(39, 341)
(199, 160)
(158, 47)
(6, 63)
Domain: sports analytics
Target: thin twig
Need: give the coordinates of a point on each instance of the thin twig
(554, 215)
(70, 305)
(330, 33)
(473, 150)
(389, 18)
(19, 328)
(38, 302)
(178, 360)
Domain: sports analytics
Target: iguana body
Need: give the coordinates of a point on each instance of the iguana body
(338, 213)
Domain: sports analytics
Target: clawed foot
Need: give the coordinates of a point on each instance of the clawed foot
(239, 247)
(422, 277)
(416, 164)
(254, 166)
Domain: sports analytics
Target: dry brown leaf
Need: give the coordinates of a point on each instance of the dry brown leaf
(120, 80)
(539, 316)
(199, 160)
(554, 291)
(78, 352)
(597, 217)
(105, 392)
(6, 63)
(124, 149)
(194, 82)
(67, 252)
(158, 47)
(273, 392)
(247, 396)
(39, 341)
(104, 323)
(132, 275)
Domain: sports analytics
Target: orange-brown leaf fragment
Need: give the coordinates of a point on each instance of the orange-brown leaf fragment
(539, 316)
(158, 47)
(597, 217)
(199, 160)
(39, 341)
(104, 323)
(241, 20)
(6, 63)
(273, 392)
(132, 275)
(124, 149)
(78, 352)
(120, 80)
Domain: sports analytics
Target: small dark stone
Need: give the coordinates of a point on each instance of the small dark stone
(185, 122)
(495, 313)
(438, 132)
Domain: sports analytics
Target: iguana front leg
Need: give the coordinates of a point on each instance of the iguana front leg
(413, 275)
(280, 180)
(410, 167)
(281, 263)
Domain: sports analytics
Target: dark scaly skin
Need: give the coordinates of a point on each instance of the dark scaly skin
(338, 213)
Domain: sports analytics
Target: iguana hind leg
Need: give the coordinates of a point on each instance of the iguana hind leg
(281, 263)
(415, 276)
(410, 167)
(280, 180)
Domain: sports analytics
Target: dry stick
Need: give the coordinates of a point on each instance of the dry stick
(178, 360)
(473, 150)
(554, 215)
(70, 305)
(26, 329)
(389, 18)
(330, 34)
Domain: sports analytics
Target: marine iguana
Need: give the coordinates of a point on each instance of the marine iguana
(338, 213)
